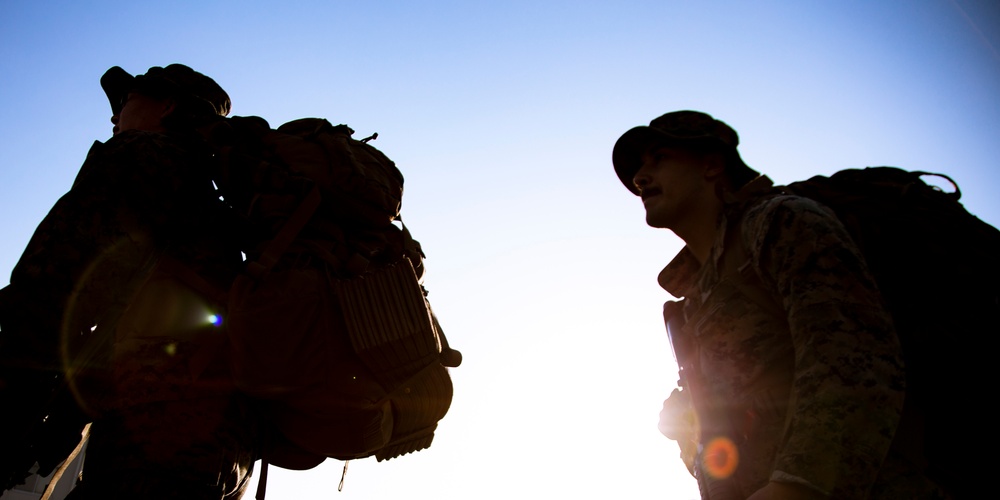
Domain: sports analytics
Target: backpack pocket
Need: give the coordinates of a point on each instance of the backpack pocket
(389, 322)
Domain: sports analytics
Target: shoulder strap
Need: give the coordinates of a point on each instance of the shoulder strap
(292, 227)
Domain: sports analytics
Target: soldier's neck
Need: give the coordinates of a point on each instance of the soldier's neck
(699, 227)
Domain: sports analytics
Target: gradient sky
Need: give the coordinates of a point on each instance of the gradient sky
(502, 116)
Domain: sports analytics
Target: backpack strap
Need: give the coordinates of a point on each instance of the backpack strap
(411, 247)
(289, 231)
(262, 482)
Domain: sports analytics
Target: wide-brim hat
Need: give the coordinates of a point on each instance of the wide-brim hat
(175, 80)
(683, 128)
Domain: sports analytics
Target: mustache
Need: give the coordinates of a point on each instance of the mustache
(650, 191)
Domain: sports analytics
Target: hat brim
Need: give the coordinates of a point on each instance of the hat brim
(117, 83)
(627, 154)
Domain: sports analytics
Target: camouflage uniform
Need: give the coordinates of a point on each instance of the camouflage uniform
(152, 372)
(811, 385)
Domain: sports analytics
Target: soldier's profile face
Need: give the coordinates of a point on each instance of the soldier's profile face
(669, 181)
(141, 112)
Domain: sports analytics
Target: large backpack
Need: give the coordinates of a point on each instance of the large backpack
(938, 268)
(329, 326)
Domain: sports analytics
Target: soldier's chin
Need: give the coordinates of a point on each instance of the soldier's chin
(656, 221)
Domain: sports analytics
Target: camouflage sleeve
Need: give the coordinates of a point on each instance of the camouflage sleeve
(131, 192)
(848, 381)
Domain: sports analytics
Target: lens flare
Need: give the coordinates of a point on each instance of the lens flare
(214, 319)
(720, 458)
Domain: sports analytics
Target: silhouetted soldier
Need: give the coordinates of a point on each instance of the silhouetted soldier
(97, 327)
(798, 400)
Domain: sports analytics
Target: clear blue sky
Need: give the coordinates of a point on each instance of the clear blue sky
(502, 116)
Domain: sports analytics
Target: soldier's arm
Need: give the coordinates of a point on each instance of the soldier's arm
(786, 491)
(88, 252)
(130, 190)
(848, 382)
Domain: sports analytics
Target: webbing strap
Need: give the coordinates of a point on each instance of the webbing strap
(449, 357)
(293, 226)
(262, 483)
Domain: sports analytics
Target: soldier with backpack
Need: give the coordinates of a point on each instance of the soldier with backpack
(101, 340)
(133, 308)
(804, 373)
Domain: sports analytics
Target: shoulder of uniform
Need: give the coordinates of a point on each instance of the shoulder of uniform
(779, 202)
(782, 214)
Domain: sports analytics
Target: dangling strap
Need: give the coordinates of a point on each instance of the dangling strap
(50, 488)
(343, 475)
(262, 483)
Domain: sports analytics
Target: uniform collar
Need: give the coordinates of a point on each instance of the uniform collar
(679, 277)
(682, 273)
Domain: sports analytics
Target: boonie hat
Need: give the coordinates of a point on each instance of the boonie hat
(175, 80)
(691, 128)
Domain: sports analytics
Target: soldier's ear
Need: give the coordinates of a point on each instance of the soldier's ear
(169, 106)
(714, 166)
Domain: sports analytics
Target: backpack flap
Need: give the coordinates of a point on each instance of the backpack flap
(362, 187)
(389, 322)
(393, 331)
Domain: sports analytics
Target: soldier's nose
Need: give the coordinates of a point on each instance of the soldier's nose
(640, 180)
